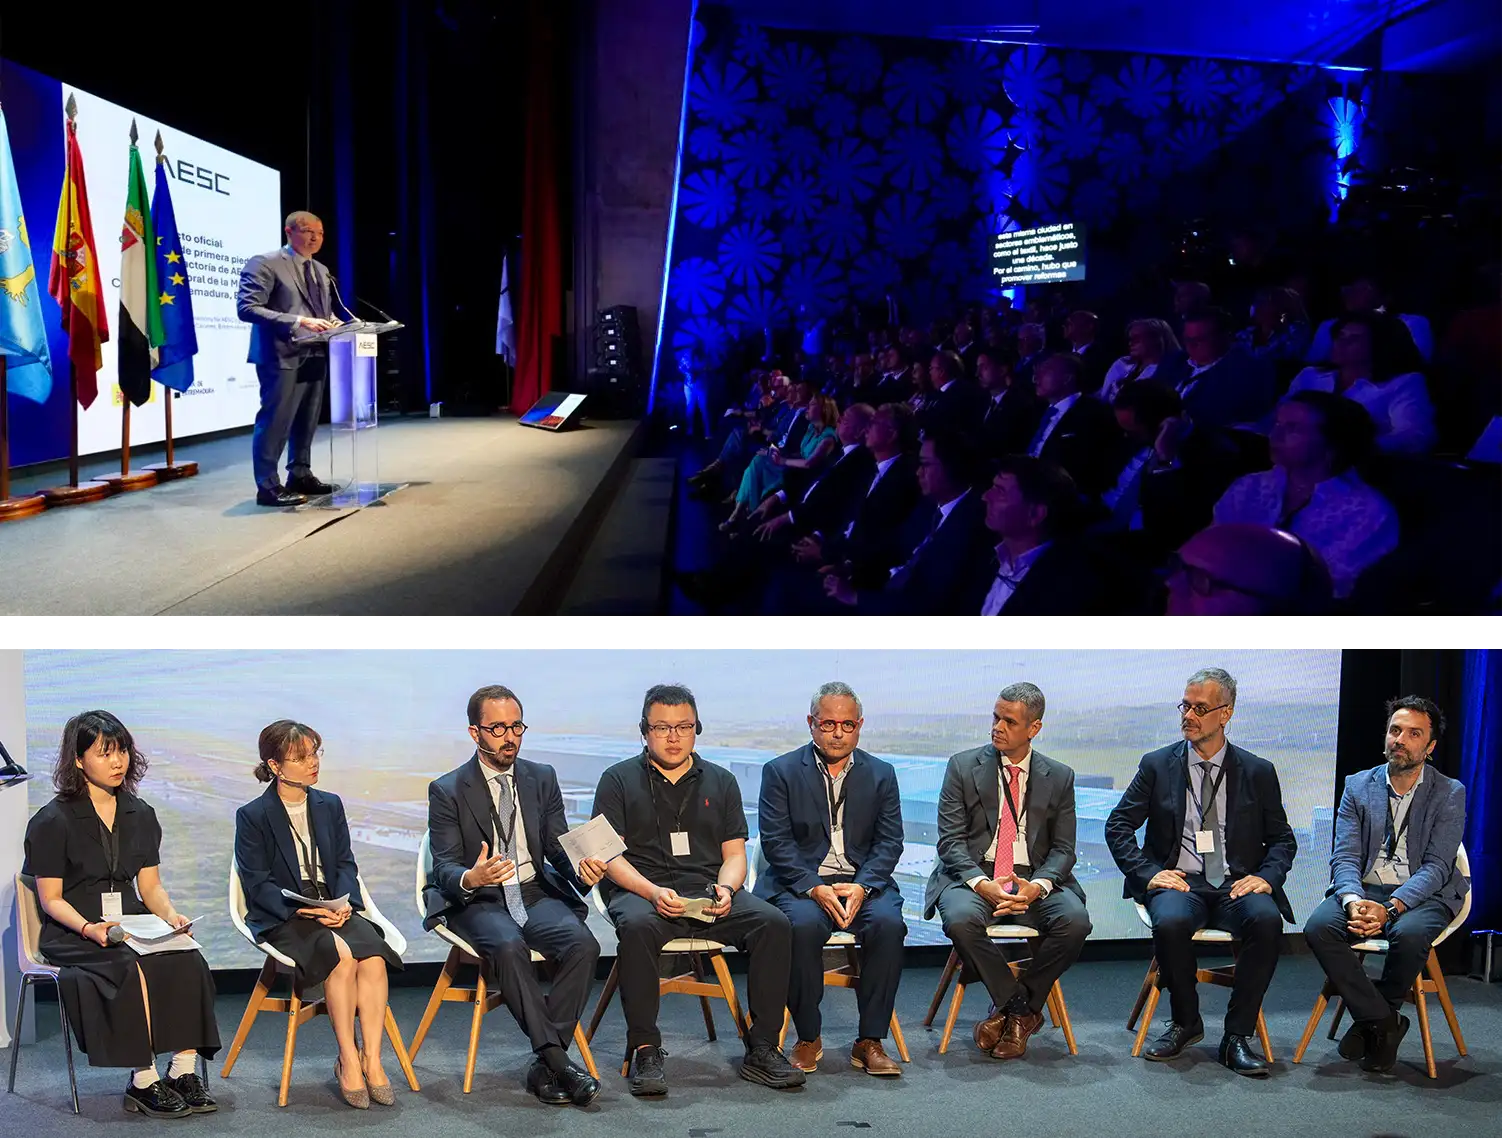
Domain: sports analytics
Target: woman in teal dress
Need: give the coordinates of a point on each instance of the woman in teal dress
(764, 475)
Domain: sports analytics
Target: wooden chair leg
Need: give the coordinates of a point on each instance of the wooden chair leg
(1320, 1003)
(435, 1001)
(898, 1041)
(1442, 990)
(1051, 1009)
(1421, 1002)
(294, 1005)
(1148, 1010)
(1267, 1047)
(727, 985)
(605, 994)
(474, 1033)
(950, 967)
(585, 1053)
(1340, 1010)
(1058, 995)
(697, 964)
(1147, 983)
(252, 1009)
(404, 1060)
(954, 1013)
(782, 1036)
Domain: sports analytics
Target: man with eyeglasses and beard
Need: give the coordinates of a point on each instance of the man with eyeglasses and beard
(685, 834)
(501, 880)
(830, 820)
(1394, 876)
(1217, 850)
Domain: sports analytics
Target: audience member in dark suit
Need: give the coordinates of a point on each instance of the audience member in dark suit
(1217, 849)
(1032, 342)
(1010, 412)
(966, 346)
(1075, 430)
(1220, 385)
(830, 817)
(957, 404)
(828, 497)
(508, 888)
(1006, 854)
(893, 385)
(1393, 876)
(1079, 331)
(1141, 409)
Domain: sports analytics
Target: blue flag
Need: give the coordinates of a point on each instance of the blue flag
(23, 335)
(174, 367)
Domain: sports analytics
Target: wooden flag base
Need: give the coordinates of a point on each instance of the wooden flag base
(171, 471)
(29, 505)
(135, 480)
(77, 495)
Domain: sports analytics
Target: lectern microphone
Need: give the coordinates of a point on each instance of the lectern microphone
(10, 768)
(360, 300)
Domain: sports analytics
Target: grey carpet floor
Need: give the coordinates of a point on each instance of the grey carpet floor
(1100, 1092)
(487, 504)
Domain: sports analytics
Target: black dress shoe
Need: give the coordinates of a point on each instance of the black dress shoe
(194, 1093)
(158, 1100)
(277, 496)
(1171, 1044)
(544, 1084)
(648, 1078)
(1382, 1051)
(1237, 1054)
(580, 1086)
(308, 484)
(1355, 1042)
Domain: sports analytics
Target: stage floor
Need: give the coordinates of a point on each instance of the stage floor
(486, 524)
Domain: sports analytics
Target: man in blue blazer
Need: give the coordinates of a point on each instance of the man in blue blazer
(1393, 875)
(830, 817)
(1006, 855)
(508, 888)
(1217, 850)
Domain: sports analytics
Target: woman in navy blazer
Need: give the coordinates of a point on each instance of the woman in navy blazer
(296, 838)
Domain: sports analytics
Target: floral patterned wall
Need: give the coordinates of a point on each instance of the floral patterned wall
(820, 168)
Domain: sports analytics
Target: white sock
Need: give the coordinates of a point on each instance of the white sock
(144, 1077)
(183, 1063)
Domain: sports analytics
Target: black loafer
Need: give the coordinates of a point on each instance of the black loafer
(158, 1101)
(1171, 1044)
(308, 484)
(1236, 1053)
(544, 1084)
(1382, 1052)
(580, 1086)
(194, 1093)
(1353, 1044)
(279, 497)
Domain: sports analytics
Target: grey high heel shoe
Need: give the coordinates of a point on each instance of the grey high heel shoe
(359, 1099)
(382, 1094)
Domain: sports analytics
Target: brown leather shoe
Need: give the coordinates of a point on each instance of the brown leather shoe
(806, 1056)
(1013, 1041)
(987, 1033)
(870, 1058)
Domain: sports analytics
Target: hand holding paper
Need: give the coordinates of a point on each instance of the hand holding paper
(595, 839)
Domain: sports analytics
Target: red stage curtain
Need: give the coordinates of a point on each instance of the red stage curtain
(540, 313)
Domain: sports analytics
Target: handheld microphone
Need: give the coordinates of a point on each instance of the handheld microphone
(115, 935)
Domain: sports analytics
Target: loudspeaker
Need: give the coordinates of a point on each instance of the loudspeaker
(555, 411)
(615, 374)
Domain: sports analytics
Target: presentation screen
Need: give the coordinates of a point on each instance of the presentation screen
(228, 209)
(1033, 256)
(394, 720)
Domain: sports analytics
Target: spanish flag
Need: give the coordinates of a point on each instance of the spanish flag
(74, 282)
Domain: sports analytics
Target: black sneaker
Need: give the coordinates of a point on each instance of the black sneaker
(648, 1079)
(1354, 1043)
(194, 1093)
(768, 1066)
(1382, 1054)
(158, 1100)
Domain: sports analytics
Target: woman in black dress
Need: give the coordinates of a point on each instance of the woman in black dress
(296, 838)
(95, 852)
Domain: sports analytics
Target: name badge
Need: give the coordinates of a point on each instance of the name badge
(679, 840)
(1019, 852)
(1204, 841)
(837, 842)
(109, 907)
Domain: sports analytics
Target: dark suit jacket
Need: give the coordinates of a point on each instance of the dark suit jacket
(459, 820)
(271, 296)
(931, 579)
(266, 856)
(958, 408)
(1007, 427)
(875, 541)
(1064, 581)
(1098, 360)
(1259, 839)
(969, 806)
(1084, 442)
(832, 496)
(793, 814)
(1238, 388)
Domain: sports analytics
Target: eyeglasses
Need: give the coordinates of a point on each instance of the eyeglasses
(304, 757)
(663, 730)
(1199, 709)
(496, 730)
(827, 726)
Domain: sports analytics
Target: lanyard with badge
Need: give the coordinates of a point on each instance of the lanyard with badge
(308, 859)
(1020, 855)
(503, 834)
(836, 808)
(1204, 840)
(678, 836)
(111, 907)
(1395, 835)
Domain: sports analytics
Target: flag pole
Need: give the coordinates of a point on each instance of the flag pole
(142, 479)
(171, 468)
(27, 504)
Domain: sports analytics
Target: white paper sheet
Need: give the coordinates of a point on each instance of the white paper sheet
(595, 838)
(315, 903)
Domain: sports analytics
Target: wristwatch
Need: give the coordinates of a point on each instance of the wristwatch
(1392, 911)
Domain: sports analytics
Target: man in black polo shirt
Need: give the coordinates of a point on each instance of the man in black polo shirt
(685, 835)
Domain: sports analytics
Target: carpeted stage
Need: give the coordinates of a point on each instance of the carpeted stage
(494, 520)
(1101, 1093)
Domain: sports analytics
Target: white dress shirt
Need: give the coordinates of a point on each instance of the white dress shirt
(1400, 408)
(1009, 574)
(298, 816)
(525, 870)
(1025, 765)
(835, 863)
(1190, 860)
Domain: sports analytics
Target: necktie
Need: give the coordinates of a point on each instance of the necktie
(1041, 433)
(315, 293)
(512, 890)
(1215, 860)
(1006, 827)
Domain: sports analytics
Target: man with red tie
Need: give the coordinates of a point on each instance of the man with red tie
(1006, 856)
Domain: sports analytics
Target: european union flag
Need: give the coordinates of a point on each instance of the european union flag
(174, 367)
(23, 335)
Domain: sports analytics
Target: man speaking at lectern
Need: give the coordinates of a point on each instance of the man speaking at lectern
(284, 295)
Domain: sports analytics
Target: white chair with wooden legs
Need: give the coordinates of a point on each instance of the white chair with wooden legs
(690, 983)
(848, 975)
(34, 969)
(1223, 976)
(1429, 982)
(1058, 1011)
(298, 1007)
(480, 998)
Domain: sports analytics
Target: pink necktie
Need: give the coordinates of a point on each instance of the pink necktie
(1006, 828)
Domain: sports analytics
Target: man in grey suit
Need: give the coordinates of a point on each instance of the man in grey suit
(285, 295)
(1393, 876)
(1006, 856)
